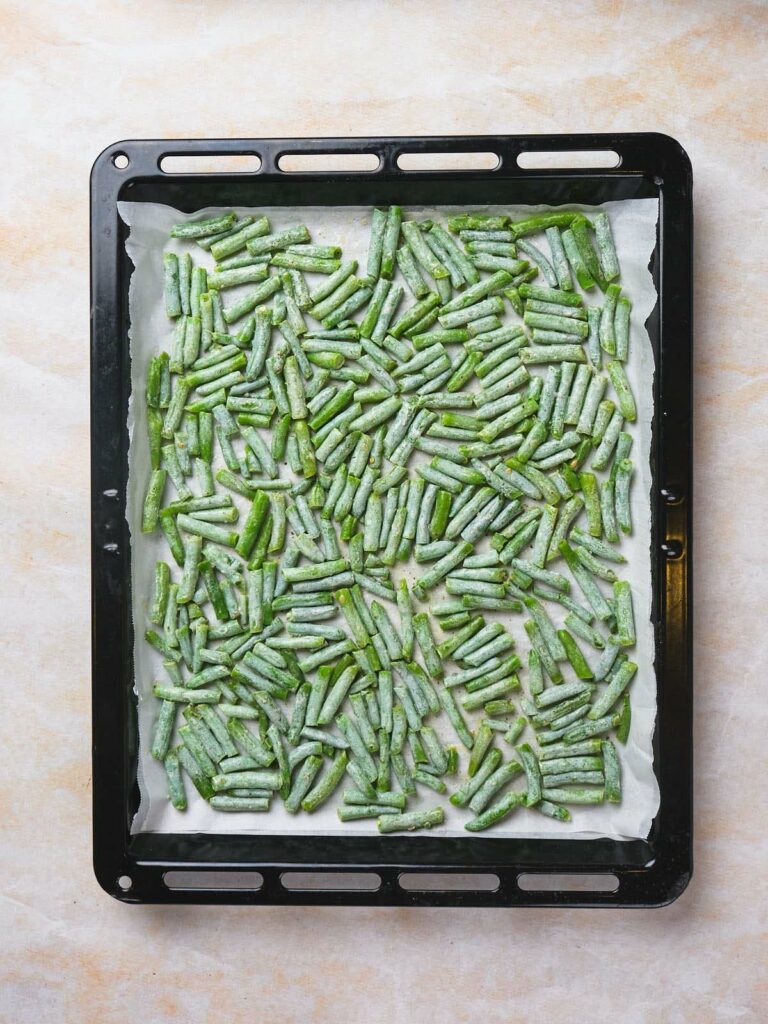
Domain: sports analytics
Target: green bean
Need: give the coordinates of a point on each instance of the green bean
(576, 259)
(413, 316)
(606, 332)
(623, 390)
(560, 765)
(612, 769)
(560, 263)
(363, 785)
(375, 307)
(624, 471)
(346, 289)
(251, 300)
(242, 275)
(163, 730)
(609, 264)
(497, 247)
(590, 563)
(302, 783)
(350, 305)
(404, 774)
(230, 242)
(541, 221)
(579, 227)
(477, 222)
(423, 778)
(185, 278)
(500, 778)
(496, 812)
(625, 621)
(225, 802)
(468, 235)
(199, 229)
(360, 747)
(489, 651)
(573, 796)
(607, 508)
(387, 799)
(453, 252)
(411, 821)
(410, 271)
(175, 780)
(390, 240)
(307, 264)
(420, 686)
(240, 261)
(171, 290)
(380, 414)
(185, 695)
(427, 645)
(362, 811)
(574, 778)
(578, 394)
(624, 723)
(421, 251)
(378, 225)
(447, 259)
(280, 240)
(515, 730)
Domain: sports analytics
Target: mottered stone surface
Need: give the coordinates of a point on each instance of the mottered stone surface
(80, 75)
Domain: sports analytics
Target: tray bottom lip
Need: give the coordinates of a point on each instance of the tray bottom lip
(647, 885)
(642, 889)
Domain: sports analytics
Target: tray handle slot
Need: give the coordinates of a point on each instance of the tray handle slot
(582, 882)
(248, 881)
(334, 881)
(458, 161)
(329, 163)
(568, 159)
(448, 881)
(210, 163)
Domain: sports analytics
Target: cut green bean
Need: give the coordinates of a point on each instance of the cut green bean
(368, 385)
(496, 812)
(411, 821)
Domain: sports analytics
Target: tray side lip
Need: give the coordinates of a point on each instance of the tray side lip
(679, 194)
(108, 864)
(112, 858)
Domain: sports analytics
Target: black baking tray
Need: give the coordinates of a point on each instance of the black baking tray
(132, 868)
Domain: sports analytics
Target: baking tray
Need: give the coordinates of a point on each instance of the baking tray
(133, 868)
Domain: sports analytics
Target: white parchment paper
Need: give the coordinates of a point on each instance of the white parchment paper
(634, 227)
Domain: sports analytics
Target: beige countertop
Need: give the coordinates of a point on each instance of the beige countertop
(79, 75)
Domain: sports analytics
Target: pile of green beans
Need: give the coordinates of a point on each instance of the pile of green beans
(439, 408)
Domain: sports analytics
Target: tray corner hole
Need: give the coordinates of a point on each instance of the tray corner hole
(125, 883)
(671, 496)
(210, 163)
(431, 161)
(569, 159)
(248, 881)
(448, 881)
(330, 881)
(586, 882)
(328, 163)
(673, 549)
(120, 160)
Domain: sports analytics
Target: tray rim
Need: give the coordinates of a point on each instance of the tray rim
(116, 853)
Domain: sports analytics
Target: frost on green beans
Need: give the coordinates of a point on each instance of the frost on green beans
(381, 495)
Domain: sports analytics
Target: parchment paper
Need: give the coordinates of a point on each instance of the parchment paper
(634, 227)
